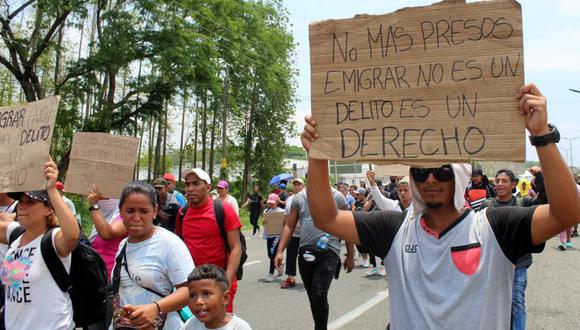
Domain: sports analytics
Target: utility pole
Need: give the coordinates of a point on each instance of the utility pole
(571, 140)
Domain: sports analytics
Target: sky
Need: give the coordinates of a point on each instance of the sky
(551, 50)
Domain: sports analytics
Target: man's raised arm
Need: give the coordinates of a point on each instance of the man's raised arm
(563, 210)
(321, 203)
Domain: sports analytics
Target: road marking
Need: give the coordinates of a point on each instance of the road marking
(252, 263)
(353, 314)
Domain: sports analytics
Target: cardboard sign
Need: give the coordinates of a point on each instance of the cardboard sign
(25, 139)
(391, 170)
(273, 223)
(102, 159)
(424, 84)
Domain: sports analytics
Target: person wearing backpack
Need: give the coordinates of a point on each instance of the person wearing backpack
(505, 183)
(198, 227)
(29, 288)
(150, 264)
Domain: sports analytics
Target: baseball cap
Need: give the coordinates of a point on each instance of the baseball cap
(298, 180)
(197, 171)
(404, 180)
(59, 186)
(37, 195)
(477, 171)
(361, 190)
(169, 177)
(273, 198)
(159, 182)
(223, 184)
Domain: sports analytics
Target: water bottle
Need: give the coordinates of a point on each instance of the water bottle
(322, 242)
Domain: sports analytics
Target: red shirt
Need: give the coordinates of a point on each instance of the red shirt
(202, 236)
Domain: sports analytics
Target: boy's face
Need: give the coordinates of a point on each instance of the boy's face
(208, 301)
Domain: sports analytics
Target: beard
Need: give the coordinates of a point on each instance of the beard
(434, 205)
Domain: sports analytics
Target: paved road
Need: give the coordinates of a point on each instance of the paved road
(358, 302)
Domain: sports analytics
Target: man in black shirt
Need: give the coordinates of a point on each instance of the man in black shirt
(256, 202)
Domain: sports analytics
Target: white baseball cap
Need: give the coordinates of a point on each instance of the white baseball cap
(197, 171)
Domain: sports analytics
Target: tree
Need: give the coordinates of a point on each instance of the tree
(141, 57)
(46, 17)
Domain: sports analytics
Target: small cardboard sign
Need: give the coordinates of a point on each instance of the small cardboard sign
(422, 84)
(25, 140)
(391, 170)
(102, 159)
(273, 222)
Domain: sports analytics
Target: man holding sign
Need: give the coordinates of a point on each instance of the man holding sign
(318, 253)
(447, 266)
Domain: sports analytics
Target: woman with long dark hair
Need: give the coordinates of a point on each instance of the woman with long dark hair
(151, 267)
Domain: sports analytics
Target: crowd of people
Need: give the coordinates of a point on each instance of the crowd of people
(445, 237)
(149, 240)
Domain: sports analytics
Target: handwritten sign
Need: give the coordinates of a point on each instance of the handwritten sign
(391, 170)
(102, 159)
(434, 83)
(25, 139)
(273, 223)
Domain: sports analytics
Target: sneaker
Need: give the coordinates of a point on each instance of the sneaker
(569, 245)
(562, 247)
(277, 274)
(382, 271)
(372, 271)
(366, 263)
(288, 283)
(270, 278)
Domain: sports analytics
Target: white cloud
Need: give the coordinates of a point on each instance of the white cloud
(557, 49)
(548, 60)
(570, 7)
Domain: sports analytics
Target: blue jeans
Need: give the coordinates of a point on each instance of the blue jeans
(519, 299)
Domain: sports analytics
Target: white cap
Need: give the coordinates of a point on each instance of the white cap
(197, 171)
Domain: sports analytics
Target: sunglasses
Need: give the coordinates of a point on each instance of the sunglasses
(443, 173)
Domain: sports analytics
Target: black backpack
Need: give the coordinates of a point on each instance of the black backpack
(87, 282)
(218, 210)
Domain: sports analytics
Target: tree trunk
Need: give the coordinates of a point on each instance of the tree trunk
(224, 162)
(163, 164)
(58, 59)
(182, 132)
(248, 147)
(138, 165)
(150, 152)
(112, 78)
(212, 139)
(203, 130)
(157, 168)
(196, 133)
(27, 89)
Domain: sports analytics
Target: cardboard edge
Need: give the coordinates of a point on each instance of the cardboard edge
(398, 11)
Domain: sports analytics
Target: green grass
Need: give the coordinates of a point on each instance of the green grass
(82, 207)
(245, 218)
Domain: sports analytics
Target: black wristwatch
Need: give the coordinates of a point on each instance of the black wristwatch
(94, 207)
(542, 140)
